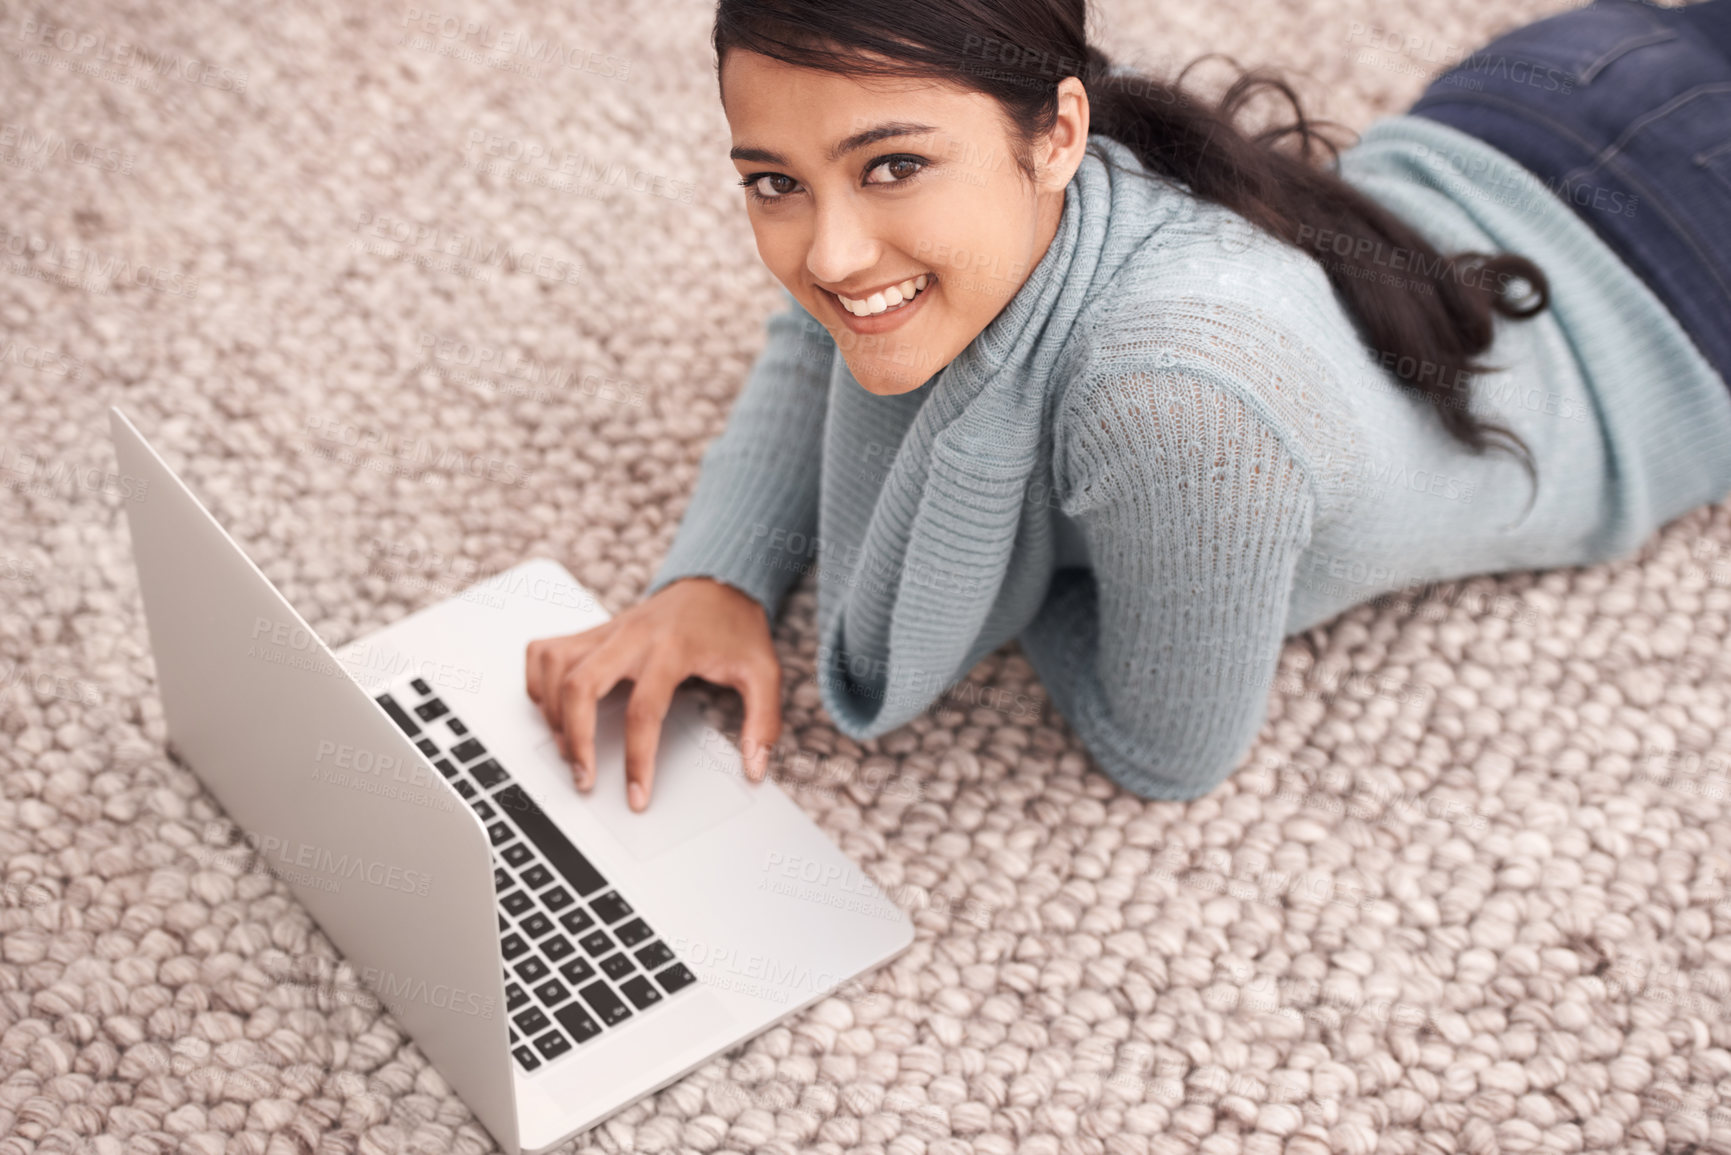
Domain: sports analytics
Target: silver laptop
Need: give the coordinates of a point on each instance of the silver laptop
(556, 955)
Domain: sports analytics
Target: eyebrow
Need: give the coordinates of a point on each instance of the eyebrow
(857, 141)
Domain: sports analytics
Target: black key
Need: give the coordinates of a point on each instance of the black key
(577, 970)
(445, 768)
(531, 1020)
(640, 991)
(675, 977)
(514, 1036)
(556, 899)
(557, 948)
(653, 955)
(516, 902)
(596, 943)
(610, 906)
(408, 724)
(617, 966)
(512, 945)
(428, 747)
(552, 993)
(516, 853)
(600, 997)
(468, 750)
(456, 725)
(552, 1044)
(537, 876)
(526, 1057)
(503, 925)
(421, 687)
(634, 932)
(536, 925)
(577, 921)
(515, 996)
(489, 774)
(432, 708)
(574, 1018)
(465, 788)
(531, 970)
(482, 809)
(499, 832)
(554, 846)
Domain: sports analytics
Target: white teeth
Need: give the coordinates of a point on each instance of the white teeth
(893, 297)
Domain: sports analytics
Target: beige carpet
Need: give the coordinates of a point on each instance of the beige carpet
(1468, 895)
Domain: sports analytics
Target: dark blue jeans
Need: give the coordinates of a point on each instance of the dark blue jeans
(1623, 110)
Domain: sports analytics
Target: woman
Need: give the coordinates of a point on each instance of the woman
(1069, 358)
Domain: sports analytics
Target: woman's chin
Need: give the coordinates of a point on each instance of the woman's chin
(887, 380)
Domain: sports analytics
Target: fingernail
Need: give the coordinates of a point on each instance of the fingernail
(637, 796)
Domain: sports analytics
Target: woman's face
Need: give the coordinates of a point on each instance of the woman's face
(872, 188)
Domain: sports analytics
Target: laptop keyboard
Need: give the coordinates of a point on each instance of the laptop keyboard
(578, 959)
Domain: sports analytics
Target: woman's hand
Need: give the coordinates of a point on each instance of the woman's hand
(693, 626)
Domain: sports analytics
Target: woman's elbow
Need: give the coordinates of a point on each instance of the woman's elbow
(1181, 776)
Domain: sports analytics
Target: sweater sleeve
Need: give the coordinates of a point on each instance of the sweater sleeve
(753, 513)
(1195, 515)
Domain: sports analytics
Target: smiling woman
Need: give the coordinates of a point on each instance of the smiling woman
(991, 112)
(905, 215)
(1070, 358)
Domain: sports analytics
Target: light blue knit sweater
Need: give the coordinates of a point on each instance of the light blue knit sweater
(1172, 449)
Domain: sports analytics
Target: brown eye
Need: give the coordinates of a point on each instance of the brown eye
(753, 185)
(900, 168)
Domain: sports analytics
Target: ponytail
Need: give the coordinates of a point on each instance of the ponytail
(1428, 328)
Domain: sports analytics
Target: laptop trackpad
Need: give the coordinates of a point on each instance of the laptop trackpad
(694, 789)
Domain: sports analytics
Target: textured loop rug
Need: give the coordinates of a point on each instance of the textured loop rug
(410, 301)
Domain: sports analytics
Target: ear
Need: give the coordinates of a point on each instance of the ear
(1068, 141)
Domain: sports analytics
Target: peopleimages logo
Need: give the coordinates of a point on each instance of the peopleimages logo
(320, 867)
(338, 984)
(95, 46)
(24, 470)
(362, 761)
(524, 42)
(394, 990)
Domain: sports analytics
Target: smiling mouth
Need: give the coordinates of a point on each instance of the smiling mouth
(888, 300)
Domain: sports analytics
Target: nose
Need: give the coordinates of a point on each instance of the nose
(843, 242)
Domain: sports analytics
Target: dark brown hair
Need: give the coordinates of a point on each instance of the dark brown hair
(1436, 319)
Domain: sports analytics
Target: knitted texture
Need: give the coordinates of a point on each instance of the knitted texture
(1190, 394)
(1469, 893)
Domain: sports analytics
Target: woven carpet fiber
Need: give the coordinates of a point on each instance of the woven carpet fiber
(1467, 893)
